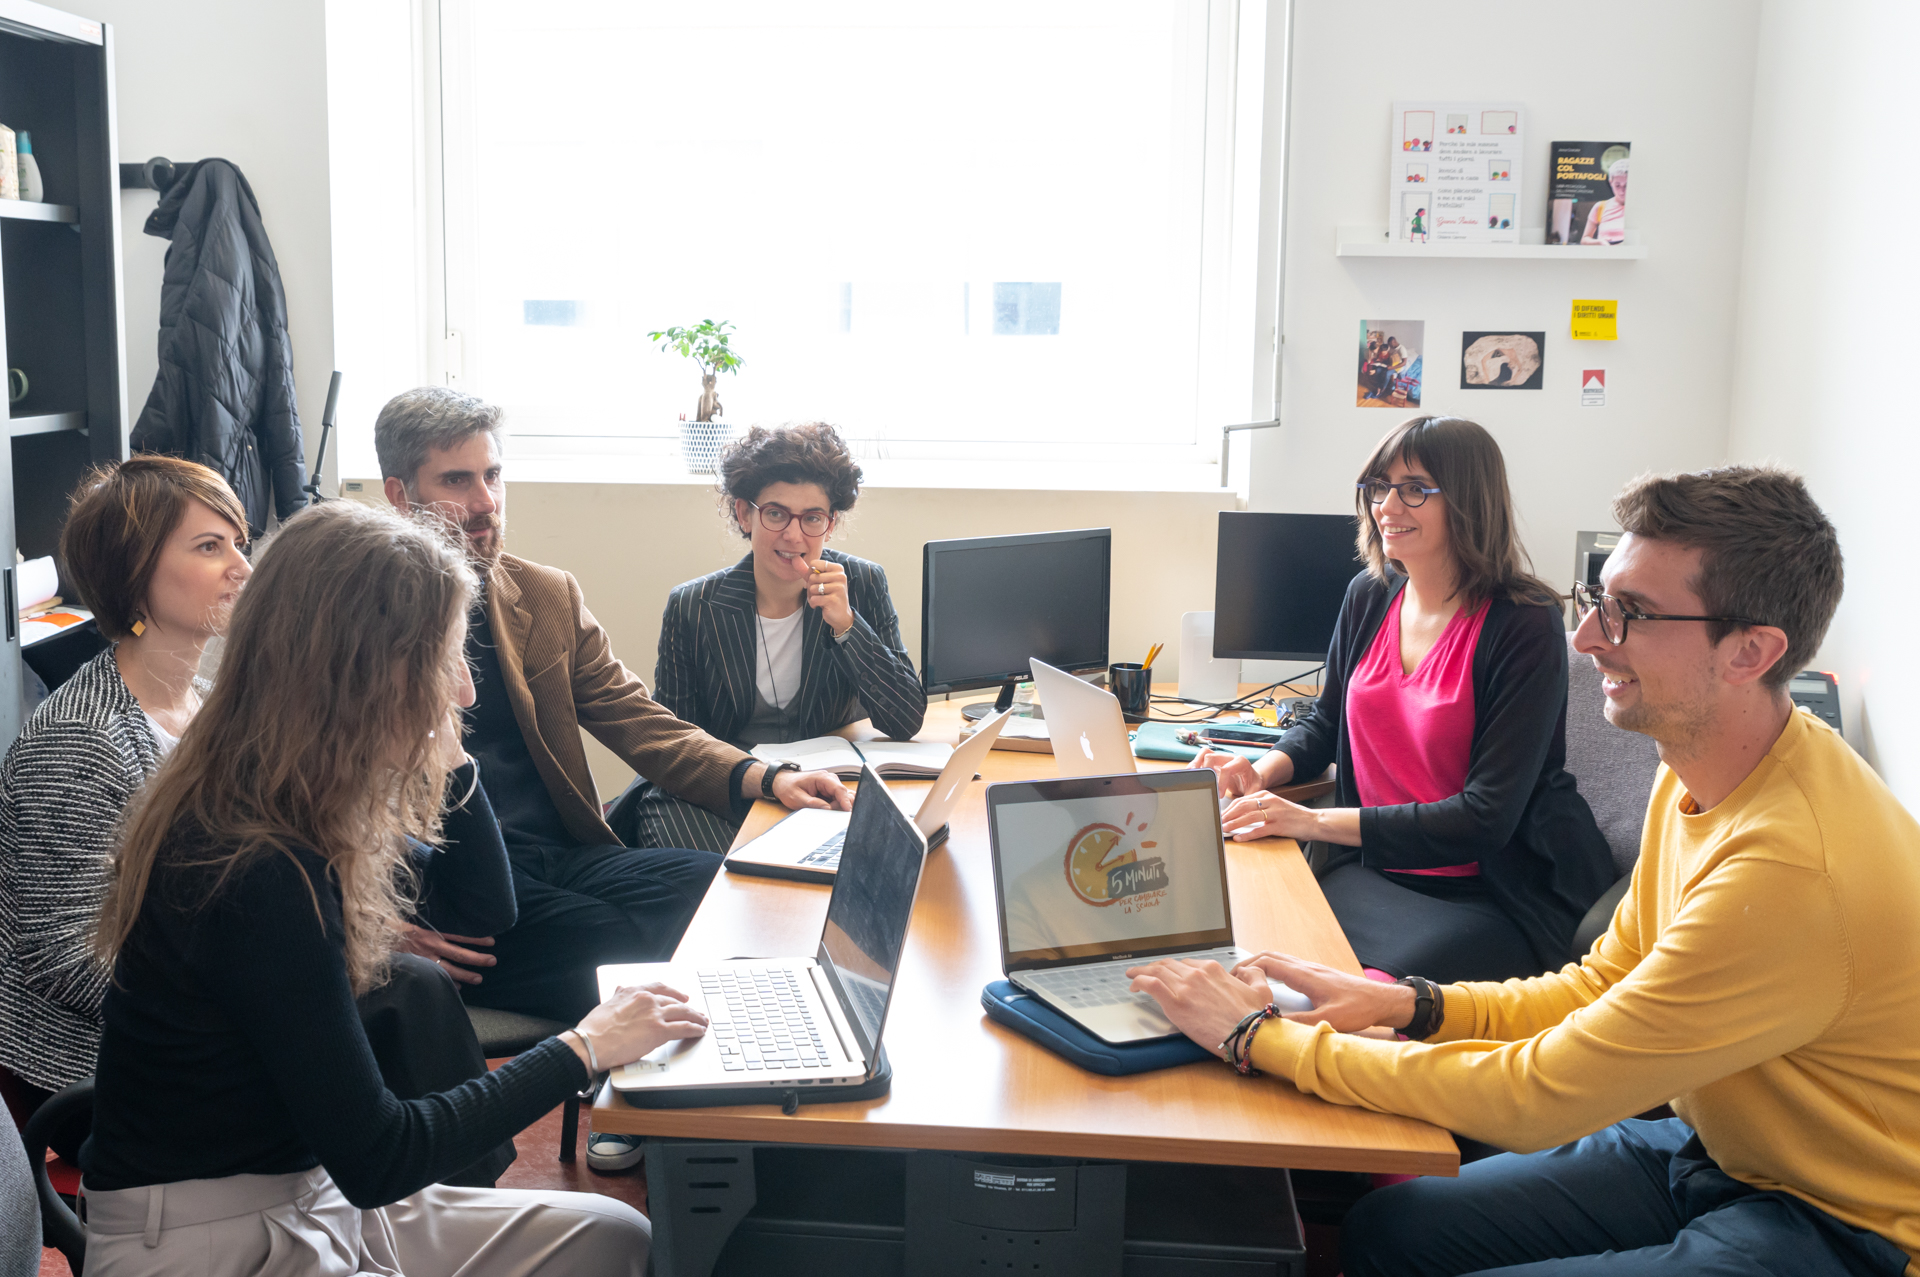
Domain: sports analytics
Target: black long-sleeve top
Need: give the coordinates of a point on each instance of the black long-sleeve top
(233, 1047)
(1542, 857)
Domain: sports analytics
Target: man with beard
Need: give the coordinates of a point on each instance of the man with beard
(543, 670)
(1758, 975)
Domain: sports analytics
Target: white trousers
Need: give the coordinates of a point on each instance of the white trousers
(282, 1225)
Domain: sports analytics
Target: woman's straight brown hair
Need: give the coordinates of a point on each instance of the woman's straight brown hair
(1465, 463)
(341, 662)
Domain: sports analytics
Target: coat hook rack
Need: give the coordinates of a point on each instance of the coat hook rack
(157, 174)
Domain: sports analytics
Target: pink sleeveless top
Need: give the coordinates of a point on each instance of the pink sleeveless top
(1411, 735)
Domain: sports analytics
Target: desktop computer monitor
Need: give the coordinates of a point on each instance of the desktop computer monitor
(1278, 582)
(989, 605)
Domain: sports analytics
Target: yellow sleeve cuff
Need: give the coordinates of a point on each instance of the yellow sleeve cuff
(1456, 1015)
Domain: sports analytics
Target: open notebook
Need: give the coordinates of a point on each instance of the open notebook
(892, 759)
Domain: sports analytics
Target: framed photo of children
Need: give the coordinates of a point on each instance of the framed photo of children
(1502, 360)
(1390, 363)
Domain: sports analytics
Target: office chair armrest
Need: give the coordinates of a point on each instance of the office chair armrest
(60, 1228)
(1598, 919)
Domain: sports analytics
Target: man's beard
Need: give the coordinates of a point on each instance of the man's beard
(485, 552)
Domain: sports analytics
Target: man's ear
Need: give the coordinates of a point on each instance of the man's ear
(1753, 651)
(396, 493)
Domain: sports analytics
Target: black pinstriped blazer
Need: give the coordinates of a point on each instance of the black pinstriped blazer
(709, 642)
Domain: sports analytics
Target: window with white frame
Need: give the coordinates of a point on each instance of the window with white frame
(956, 231)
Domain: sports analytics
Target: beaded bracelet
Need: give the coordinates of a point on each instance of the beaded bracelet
(1237, 1050)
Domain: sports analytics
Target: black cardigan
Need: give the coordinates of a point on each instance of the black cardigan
(708, 646)
(233, 1045)
(1542, 858)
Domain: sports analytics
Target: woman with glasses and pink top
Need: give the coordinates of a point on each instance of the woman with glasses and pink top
(1458, 846)
(795, 639)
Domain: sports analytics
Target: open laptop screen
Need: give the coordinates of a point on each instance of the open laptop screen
(871, 904)
(1108, 866)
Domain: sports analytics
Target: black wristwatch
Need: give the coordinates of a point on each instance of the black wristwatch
(1428, 1008)
(774, 769)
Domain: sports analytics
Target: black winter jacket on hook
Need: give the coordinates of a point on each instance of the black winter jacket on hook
(224, 396)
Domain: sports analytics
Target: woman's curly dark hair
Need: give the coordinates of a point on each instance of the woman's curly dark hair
(812, 452)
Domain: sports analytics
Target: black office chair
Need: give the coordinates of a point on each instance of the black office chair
(1614, 769)
(60, 1228)
(504, 1033)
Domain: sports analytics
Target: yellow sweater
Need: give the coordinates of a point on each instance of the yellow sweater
(1762, 974)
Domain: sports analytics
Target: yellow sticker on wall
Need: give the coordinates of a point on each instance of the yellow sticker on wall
(1594, 320)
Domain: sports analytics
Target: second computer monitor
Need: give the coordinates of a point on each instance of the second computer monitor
(989, 605)
(1278, 583)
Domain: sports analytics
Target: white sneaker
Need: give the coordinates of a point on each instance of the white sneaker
(609, 1152)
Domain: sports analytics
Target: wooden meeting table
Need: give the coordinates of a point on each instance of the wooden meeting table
(962, 1083)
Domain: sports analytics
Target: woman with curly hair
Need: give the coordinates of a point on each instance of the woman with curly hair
(792, 641)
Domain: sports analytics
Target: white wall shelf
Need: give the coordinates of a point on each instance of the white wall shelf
(29, 211)
(1371, 241)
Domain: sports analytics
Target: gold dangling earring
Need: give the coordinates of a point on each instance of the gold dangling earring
(139, 627)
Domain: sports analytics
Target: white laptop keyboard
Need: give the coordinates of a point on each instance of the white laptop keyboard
(1105, 985)
(827, 854)
(760, 1021)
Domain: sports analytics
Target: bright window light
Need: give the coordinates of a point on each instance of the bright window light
(953, 230)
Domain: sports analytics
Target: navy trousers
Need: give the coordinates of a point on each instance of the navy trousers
(1638, 1197)
(580, 907)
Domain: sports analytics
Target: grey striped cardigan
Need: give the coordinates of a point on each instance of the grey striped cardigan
(65, 781)
(708, 644)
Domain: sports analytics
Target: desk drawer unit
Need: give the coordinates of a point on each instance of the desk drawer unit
(732, 1209)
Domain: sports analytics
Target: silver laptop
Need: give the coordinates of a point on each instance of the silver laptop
(806, 843)
(1088, 731)
(1095, 874)
(779, 1023)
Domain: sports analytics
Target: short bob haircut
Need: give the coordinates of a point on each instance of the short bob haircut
(1465, 463)
(118, 522)
(810, 453)
(1767, 551)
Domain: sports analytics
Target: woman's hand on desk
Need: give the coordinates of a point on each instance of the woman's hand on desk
(1349, 1003)
(1202, 998)
(1264, 814)
(1240, 775)
(633, 1022)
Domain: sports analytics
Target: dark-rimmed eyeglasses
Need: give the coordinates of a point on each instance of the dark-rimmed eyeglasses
(1411, 493)
(1614, 614)
(775, 518)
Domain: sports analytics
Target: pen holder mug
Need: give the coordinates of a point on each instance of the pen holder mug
(1131, 685)
(16, 385)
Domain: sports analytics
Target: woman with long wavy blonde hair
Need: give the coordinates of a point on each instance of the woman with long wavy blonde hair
(239, 1118)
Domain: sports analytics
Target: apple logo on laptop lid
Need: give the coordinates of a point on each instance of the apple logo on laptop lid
(1086, 747)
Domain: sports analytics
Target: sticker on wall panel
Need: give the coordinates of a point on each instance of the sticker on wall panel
(1502, 360)
(1593, 388)
(1390, 363)
(1594, 320)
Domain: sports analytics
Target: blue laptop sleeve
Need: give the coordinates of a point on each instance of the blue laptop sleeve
(1028, 1015)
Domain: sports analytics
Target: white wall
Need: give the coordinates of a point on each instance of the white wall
(1675, 80)
(244, 81)
(1825, 321)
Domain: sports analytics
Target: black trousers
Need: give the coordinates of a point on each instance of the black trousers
(584, 906)
(421, 1039)
(1446, 929)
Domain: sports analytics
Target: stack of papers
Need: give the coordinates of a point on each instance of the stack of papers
(915, 759)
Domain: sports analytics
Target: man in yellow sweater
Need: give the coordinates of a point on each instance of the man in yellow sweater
(1760, 974)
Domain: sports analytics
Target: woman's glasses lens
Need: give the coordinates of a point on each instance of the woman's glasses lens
(776, 518)
(1411, 494)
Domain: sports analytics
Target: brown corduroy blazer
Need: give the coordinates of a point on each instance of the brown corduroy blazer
(561, 675)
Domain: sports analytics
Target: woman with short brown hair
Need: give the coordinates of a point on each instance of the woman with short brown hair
(1459, 846)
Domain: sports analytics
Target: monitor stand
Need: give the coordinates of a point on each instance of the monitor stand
(981, 709)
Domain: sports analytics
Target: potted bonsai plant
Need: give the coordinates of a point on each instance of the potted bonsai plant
(706, 343)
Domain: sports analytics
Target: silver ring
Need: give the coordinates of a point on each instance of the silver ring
(820, 588)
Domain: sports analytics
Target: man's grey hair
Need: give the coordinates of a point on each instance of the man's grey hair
(427, 417)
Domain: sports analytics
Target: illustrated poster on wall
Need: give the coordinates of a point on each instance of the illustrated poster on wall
(1502, 360)
(1454, 176)
(1390, 363)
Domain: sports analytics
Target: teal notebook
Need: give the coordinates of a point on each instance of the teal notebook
(1156, 740)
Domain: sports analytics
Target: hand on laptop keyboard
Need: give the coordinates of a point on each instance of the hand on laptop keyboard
(632, 1023)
